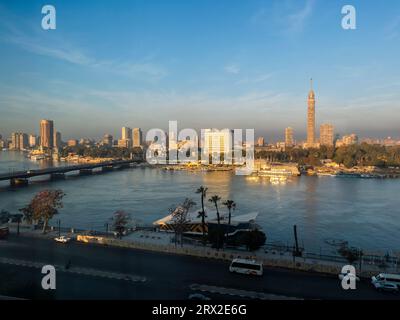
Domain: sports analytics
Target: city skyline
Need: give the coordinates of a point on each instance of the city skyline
(251, 74)
(134, 137)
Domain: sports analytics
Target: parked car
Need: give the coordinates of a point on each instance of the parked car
(386, 286)
(246, 266)
(62, 239)
(387, 277)
(4, 232)
(342, 275)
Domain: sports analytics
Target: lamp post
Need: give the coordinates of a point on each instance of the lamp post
(59, 228)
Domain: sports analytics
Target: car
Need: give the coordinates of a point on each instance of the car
(246, 266)
(386, 286)
(62, 239)
(342, 275)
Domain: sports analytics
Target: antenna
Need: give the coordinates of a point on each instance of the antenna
(311, 83)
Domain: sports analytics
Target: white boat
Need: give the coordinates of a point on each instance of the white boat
(274, 172)
(38, 157)
(242, 222)
(325, 174)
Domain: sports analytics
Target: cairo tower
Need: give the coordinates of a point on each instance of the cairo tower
(311, 117)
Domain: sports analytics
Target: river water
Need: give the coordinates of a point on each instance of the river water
(365, 212)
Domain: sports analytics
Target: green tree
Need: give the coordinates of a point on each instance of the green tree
(253, 240)
(215, 199)
(120, 220)
(44, 206)
(231, 205)
(220, 234)
(179, 218)
(351, 254)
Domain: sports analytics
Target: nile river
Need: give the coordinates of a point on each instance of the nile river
(365, 212)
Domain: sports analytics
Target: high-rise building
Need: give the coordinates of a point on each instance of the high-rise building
(311, 117)
(33, 140)
(326, 135)
(125, 143)
(57, 143)
(260, 142)
(126, 133)
(107, 140)
(137, 137)
(19, 141)
(347, 140)
(289, 141)
(218, 143)
(47, 134)
(126, 138)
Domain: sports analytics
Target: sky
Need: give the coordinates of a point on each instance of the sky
(205, 63)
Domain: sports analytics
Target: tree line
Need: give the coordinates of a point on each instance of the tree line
(102, 152)
(353, 155)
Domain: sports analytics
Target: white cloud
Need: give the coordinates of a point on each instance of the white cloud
(296, 20)
(51, 46)
(284, 16)
(232, 69)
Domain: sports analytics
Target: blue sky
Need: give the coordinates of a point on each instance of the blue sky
(206, 63)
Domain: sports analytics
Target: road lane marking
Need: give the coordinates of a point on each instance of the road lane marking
(240, 293)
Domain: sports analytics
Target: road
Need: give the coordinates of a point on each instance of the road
(99, 272)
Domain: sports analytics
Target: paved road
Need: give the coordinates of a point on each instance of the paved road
(99, 272)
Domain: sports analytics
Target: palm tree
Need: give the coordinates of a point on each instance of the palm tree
(215, 199)
(230, 204)
(219, 233)
(203, 191)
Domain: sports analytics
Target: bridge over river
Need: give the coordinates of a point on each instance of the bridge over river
(56, 173)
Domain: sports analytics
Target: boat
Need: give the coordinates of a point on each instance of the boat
(274, 172)
(348, 175)
(325, 174)
(239, 223)
(38, 157)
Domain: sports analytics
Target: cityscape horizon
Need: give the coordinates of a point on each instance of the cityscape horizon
(268, 140)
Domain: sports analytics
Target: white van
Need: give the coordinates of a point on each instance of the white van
(386, 277)
(246, 266)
